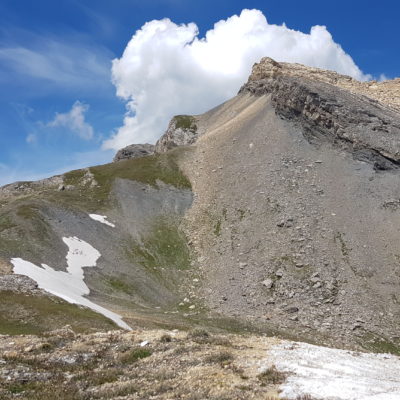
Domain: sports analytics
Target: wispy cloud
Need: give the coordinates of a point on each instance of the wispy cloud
(31, 138)
(57, 62)
(74, 121)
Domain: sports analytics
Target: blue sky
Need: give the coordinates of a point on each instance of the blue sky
(58, 106)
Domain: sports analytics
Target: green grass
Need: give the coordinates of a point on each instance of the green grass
(27, 211)
(121, 286)
(29, 230)
(217, 227)
(28, 314)
(163, 248)
(272, 376)
(6, 222)
(135, 355)
(150, 169)
(379, 344)
(74, 177)
(185, 122)
(343, 246)
(222, 357)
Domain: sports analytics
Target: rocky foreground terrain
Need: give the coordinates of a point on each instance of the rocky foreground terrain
(274, 216)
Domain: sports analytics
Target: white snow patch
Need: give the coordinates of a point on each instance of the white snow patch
(102, 219)
(69, 285)
(332, 374)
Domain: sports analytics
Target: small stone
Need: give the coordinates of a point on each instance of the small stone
(268, 283)
(292, 310)
(279, 273)
(192, 307)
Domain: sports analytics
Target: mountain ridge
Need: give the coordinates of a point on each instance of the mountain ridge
(259, 191)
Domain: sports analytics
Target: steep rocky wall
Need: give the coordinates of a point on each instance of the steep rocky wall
(181, 131)
(386, 92)
(134, 151)
(368, 129)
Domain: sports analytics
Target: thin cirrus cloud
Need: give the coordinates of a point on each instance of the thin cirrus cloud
(166, 69)
(74, 121)
(56, 63)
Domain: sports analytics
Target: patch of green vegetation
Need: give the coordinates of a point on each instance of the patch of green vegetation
(30, 314)
(55, 388)
(17, 388)
(121, 286)
(241, 213)
(27, 211)
(6, 222)
(148, 170)
(74, 177)
(222, 357)
(163, 248)
(97, 378)
(272, 376)
(145, 169)
(338, 238)
(30, 231)
(217, 227)
(186, 122)
(379, 344)
(134, 355)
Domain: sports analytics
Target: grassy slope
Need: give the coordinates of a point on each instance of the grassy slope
(161, 251)
(149, 170)
(35, 314)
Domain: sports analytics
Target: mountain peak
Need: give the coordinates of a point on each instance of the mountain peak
(386, 92)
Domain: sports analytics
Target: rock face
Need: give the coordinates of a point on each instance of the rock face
(296, 182)
(386, 92)
(134, 151)
(332, 107)
(182, 131)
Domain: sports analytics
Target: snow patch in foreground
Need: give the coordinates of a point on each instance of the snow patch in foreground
(69, 285)
(102, 219)
(333, 374)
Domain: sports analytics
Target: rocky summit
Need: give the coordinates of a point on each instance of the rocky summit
(268, 222)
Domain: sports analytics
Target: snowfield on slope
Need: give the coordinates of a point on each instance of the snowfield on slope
(102, 219)
(332, 374)
(69, 285)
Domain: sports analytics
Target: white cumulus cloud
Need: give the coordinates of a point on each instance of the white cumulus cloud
(74, 120)
(166, 69)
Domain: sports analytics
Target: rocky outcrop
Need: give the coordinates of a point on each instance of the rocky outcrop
(320, 101)
(182, 131)
(386, 92)
(134, 151)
